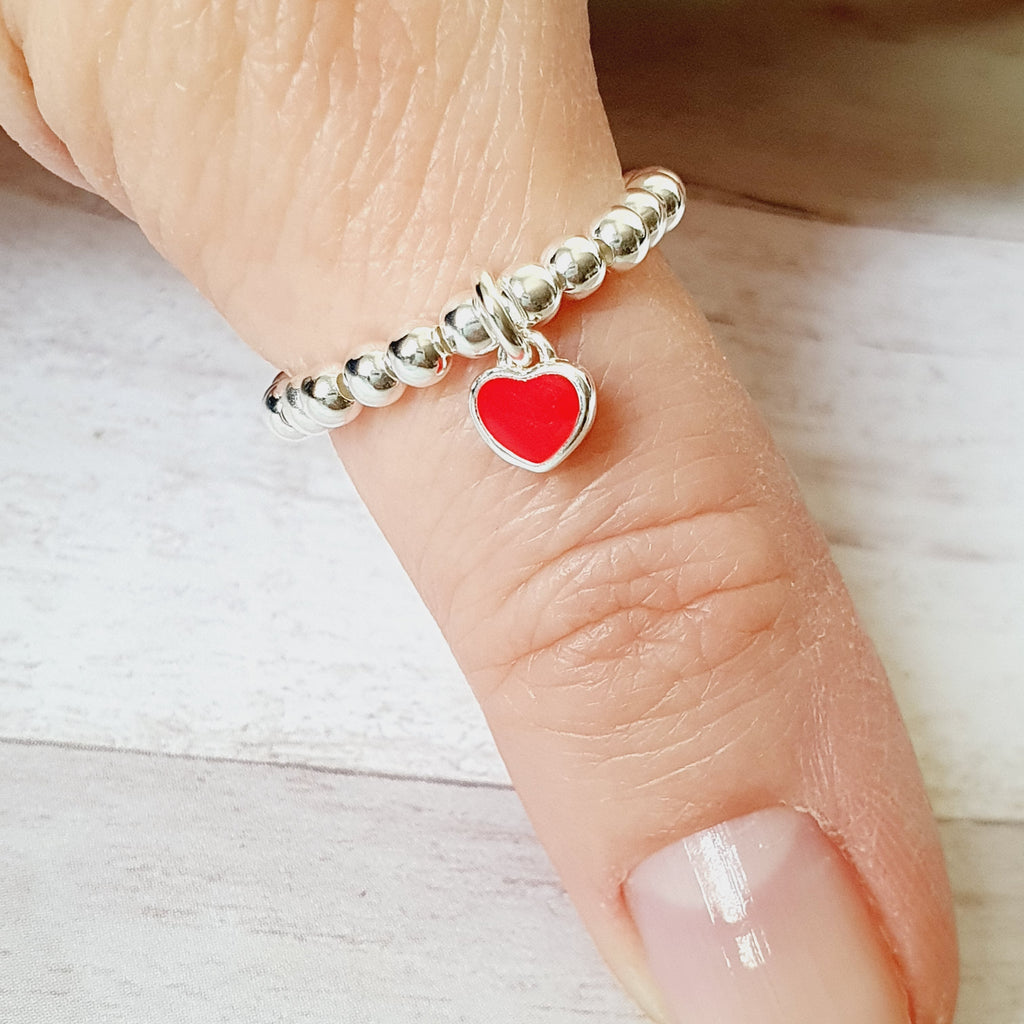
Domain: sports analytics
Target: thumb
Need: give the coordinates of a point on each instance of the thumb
(700, 732)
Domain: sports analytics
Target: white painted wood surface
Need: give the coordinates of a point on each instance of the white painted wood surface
(179, 890)
(157, 593)
(146, 888)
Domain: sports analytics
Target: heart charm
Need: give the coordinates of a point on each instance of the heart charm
(533, 417)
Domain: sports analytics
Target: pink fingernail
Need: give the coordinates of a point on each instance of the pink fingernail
(761, 921)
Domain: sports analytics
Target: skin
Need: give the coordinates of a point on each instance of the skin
(656, 632)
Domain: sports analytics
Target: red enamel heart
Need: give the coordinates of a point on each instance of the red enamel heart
(532, 416)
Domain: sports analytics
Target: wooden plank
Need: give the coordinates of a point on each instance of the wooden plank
(164, 889)
(175, 579)
(986, 865)
(154, 889)
(901, 114)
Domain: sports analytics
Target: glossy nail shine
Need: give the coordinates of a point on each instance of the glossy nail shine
(760, 921)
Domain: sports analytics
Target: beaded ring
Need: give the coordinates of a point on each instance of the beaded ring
(532, 408)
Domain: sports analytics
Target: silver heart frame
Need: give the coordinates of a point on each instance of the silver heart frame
(585, 391)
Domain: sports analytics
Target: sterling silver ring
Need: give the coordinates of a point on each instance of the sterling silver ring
(532, 408)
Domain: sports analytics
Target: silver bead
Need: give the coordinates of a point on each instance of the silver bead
(667, 187)
(651, 209)
(578, 264)
(419, 358)
(284, 431)
(535, 290)
(623, 233)
(272, 406)
(463, 330)
(293, 408)
(370, 381)
(327, 400)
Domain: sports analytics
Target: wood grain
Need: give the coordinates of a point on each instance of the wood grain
(141, 888)
(144, 888)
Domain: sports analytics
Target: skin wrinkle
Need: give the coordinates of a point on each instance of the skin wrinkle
(693, 656)
(823, 769)
(477, 68)
(36, 23)
(24, 121)
(477, 60)
(139, 52)
(395, 98)
(624, 586)
(240, 144)
(407, 227)
(445, 580)
(205, 62)
(651, 729)
(689, 500)
(524, 109)
(437, 548)
(716, 709)
(404, 225)
(226, 91)
(595, 518)
(701, 674)
(307, 88)
(657, 775)
(342, 213)
(525, 114)
(508, 176)
(686, 767)
(606, 564)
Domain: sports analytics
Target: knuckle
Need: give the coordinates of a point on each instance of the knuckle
(635, 632)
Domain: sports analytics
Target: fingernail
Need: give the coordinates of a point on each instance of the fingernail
(761, 921)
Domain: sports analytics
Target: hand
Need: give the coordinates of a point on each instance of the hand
(655, 631)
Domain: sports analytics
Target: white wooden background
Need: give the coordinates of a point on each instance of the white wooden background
(213, 809)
